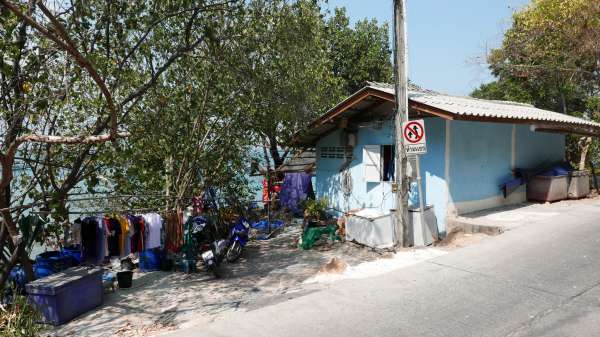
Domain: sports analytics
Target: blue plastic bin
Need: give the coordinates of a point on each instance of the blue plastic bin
(150, 259)
(74, 252)
(17, 275)
(66, 295)
(52, 262)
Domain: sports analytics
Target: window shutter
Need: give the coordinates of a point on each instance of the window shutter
(372, 162)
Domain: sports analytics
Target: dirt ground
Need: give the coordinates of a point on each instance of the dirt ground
(269, 271)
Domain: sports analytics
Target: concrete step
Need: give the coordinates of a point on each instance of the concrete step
(472, 226)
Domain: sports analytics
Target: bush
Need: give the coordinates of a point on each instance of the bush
(17, 317)
(315, 209)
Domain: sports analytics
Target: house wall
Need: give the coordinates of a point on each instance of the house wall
(482, 156)
(379, 194)
(462, 171)
(364, 194)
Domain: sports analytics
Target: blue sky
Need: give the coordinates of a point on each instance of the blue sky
(447, 39)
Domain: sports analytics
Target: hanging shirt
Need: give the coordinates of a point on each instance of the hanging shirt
(153, 223)
(89, 239)
(137, 230)
(125, 236)
(114, 237)
(101, 244)
(76, 232)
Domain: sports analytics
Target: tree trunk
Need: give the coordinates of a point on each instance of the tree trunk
(274, 151)
(584, 145)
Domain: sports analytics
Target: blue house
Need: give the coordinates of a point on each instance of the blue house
(473, 147)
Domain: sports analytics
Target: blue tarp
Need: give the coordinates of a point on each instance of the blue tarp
(263, 225)
(296, 188)
(521, 176)
(557, 170)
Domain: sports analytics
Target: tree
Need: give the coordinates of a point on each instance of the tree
(306, 64)
(358, 54)
(74, 75)
(549, 57)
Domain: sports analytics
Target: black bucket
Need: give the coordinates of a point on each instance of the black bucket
(125, 278)
(127, 264)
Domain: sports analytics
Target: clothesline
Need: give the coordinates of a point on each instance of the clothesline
(108, 211)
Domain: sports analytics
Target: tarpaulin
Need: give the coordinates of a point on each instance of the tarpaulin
(297, 187)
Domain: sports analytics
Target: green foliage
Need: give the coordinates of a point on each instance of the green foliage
(507, 90)
(18, 318)
(358, 54)
(198, 84)
(549, 58)
(315, 208)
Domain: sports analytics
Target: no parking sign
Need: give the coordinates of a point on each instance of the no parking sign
(414, 137)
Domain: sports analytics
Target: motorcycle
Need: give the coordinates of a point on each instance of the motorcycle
(212, 257)
(238, 238)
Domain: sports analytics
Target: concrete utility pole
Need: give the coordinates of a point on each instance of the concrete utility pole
(401, 79)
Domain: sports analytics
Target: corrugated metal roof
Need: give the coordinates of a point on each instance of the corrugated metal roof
(429, 102)
(468, 106)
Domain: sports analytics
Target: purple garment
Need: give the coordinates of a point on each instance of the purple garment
(296, 188)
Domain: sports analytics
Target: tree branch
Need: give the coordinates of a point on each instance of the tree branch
(67, 45)
(142, 90)
(48, 139)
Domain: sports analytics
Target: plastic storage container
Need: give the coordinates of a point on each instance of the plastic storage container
(547, 188)
(66, 295)
(74, 252)
(52, 262)
(150, 259)
(579, 186)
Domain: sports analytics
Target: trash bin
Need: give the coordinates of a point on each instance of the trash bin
(579, 186)
(63, 296)
(547, 188)
(124, 278)
(423, 233)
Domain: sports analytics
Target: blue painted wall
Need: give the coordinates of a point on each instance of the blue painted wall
(364, 194)
(480, 157)
(535, 149)
(433, 168)
(379, 194)
(479, 161)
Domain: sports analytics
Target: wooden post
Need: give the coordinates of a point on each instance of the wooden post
(401, 83)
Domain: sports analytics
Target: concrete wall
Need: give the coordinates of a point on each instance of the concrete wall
(364, 194)
(482, 156)
(379, 194)
(462, 171)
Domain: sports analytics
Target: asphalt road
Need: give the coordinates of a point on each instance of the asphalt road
(541, 279)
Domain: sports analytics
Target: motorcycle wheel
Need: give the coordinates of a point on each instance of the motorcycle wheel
(214, 269)
(234, 252)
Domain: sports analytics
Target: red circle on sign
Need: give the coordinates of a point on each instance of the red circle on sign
(418, 136)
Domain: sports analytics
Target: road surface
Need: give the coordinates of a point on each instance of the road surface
(541, 279)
